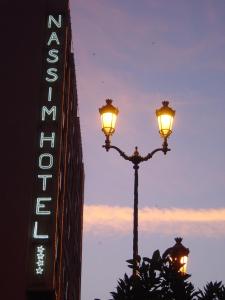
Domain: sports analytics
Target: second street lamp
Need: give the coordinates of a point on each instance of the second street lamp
(165, 117)
(178, 255)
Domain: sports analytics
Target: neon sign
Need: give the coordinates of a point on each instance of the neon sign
(44, 202)
(46, 160)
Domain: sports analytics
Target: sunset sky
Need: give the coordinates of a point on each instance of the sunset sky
(140, 53)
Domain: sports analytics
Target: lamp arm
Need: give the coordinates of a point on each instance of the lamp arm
(164, 149)
(123, 154)
(136, 158)
(150, 155)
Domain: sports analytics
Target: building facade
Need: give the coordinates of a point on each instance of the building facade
(50, 178)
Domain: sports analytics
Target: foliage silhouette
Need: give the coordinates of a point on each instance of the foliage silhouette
(213, 291)
(159, 279)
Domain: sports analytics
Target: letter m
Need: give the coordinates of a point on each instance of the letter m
(50, 112)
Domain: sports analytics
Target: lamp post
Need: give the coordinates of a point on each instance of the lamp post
(165, 117)
(178, 254)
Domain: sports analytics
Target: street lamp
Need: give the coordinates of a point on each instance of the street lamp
(108, 117)
(178, 254)
(165, 117)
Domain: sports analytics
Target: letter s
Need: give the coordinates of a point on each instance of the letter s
(53, 53)
(52, 72)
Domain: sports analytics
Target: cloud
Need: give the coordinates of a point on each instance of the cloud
(114, 220)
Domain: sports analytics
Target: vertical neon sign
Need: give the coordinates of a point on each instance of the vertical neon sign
(44, 202)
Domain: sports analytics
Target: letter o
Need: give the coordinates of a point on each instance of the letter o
(45, 161)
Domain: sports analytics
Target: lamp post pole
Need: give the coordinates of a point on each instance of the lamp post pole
(136, 159)
(135, 218)
(109, 114)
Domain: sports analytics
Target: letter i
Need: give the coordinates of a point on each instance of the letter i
(50, 94)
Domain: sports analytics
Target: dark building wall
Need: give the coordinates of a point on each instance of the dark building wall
(20, 71)
(22, 27)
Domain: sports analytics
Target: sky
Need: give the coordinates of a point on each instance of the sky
(139, 53)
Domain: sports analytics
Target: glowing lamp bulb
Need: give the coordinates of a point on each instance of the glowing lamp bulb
(183, 260)
(165, 116)
(109, 115)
